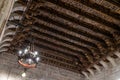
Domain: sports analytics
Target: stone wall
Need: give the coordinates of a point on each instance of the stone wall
(10, 70)
(5, 10)
(110, 73)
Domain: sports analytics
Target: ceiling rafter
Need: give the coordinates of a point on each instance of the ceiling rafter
(83, 13)
(79, 29)
(114, 2)
(100, 8)
(47, 32)
(68, 35)
(99, 29)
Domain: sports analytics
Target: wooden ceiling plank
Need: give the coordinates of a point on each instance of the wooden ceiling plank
(53, 27)
(46, 37)
(60, 12)
(44, 53)
(55, 46)
(72, 24)
(83, 52)
(105, 30)
(79, 29)
(83, 13)
(60, 25)
(114, 2)
(43, 21)
(54, 41)
(60, 65)
(69, 41)
(55, 59)
(45, 43)
(44, 50)
(93, 11)
(100, 8)
(52, 51)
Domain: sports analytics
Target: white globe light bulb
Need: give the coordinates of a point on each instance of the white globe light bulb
(36, 53)
(20, 52)
(23, 74)
(29, 61)
(26, 50)
(37, 59)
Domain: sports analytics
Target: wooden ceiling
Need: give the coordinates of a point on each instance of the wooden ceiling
(70, 34)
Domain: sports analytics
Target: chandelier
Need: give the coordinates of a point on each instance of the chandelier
(28, 57)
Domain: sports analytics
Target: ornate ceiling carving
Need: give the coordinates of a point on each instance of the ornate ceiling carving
(71, 34)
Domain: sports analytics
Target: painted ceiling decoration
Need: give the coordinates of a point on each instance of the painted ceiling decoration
(77, 35)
